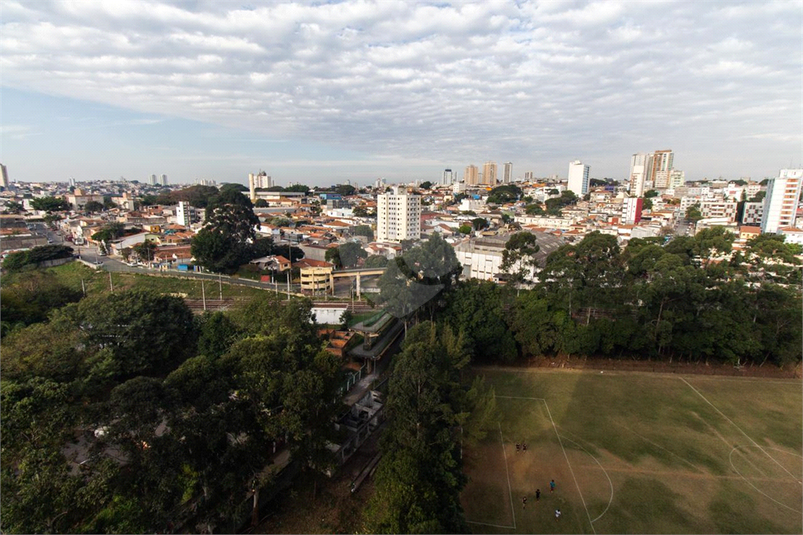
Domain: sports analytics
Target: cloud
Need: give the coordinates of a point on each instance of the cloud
(537, 82)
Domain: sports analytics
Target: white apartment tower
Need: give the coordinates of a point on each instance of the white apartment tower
(153, 181)
(578, 178)
(507, 174)
(640, 165)
(662, 163)
(163, 180)
(780, 204)
(448, 177)
(260, 180)
(3, 176)
(489, 173)
(184, 213)
(398, 216)
(677, 178)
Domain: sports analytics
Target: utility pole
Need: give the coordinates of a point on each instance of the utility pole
(289, 273)
(111, 286)
(220, 286)
(203, 294)
(83, 287)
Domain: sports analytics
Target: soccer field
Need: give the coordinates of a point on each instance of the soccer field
(638, 453)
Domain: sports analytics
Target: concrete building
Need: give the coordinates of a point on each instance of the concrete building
(507, 174)
(640, 165)
(448, 177)
(631, 210)
(753, 213)
(398, 216)
(578, 178)
(152, 181)
(489, 174)
(529, 176)
(257, 181)
(780, 204)
(677, 178)
(164, 180)
(185, 214)
(482, 257)
(662, 163)
(471, 176)
(719, 209)
(3, 176)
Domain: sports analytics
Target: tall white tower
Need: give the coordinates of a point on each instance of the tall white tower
(578, 178)
(507, 174)
(780, 204)
(640, 165)
(398, 216)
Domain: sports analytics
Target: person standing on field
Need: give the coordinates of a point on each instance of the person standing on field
(557, 514)
(537, 494)
(524, 502)
(552, 486)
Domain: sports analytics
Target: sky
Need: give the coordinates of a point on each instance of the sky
(321, 93)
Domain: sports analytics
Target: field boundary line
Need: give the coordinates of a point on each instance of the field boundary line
(521, 397)
(492, 525)
(610, 500)
(742, 432)
(720, 437)
(570, 466)
(730, 458)
(507, 473)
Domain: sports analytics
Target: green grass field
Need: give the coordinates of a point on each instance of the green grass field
(98, 282)
(638, 453)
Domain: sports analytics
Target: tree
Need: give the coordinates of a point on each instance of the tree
(693, 213)
(145, 250)
(518, 257)
(261, 203)
(419, 478)
(363, 230)
(197, 196)
(426, 184)
(23, 259)
(232, 187)
(647, 204)
(350, 254)
(504, 194)
(361, 211)
(50, 204)
(650, 194)
(554, 204)
(464, 229)
(375, 261)
(13, 207)
(479, 223)
(332, 256)
(416, 278)
(31, 296)
(534, 209)
(225, 241)
(94, 206)
(109, 232)
(345, 190)
(299, 188)
(108, 204)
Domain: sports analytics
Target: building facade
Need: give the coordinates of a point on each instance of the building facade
(260, 180)
(677, 178)
(489, 174)
(398, 216)
(185, 214)
(662, 163)
(471, 176)
(507, 174)
(448, 177)
(631, 210)
(3, 176)
(780, 204)
(578, 178)
(640, 165)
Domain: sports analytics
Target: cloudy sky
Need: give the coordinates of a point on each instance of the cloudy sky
(325, 92)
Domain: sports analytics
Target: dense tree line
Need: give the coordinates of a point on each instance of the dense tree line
(688, 299)
(33, 257)
(172, 417)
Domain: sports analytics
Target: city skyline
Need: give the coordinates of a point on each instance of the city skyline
(355, 91)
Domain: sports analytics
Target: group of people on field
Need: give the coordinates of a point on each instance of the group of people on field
(522, 447)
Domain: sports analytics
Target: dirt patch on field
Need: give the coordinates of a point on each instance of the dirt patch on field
(694, 368)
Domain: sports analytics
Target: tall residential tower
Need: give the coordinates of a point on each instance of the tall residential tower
(780, 204)
(578, 178)
(398, 216)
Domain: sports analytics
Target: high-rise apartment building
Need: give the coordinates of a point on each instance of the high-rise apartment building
(184, 213)
(398, 216)
(640, 167)
(152, 181)
(662, 162)
(447, 177)
(489, 173)
(529, 176)
(780, 204)
(471, 177)
(164, 180)
(3, 176)
(578, 178)
(507, 173)
(260, 180)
